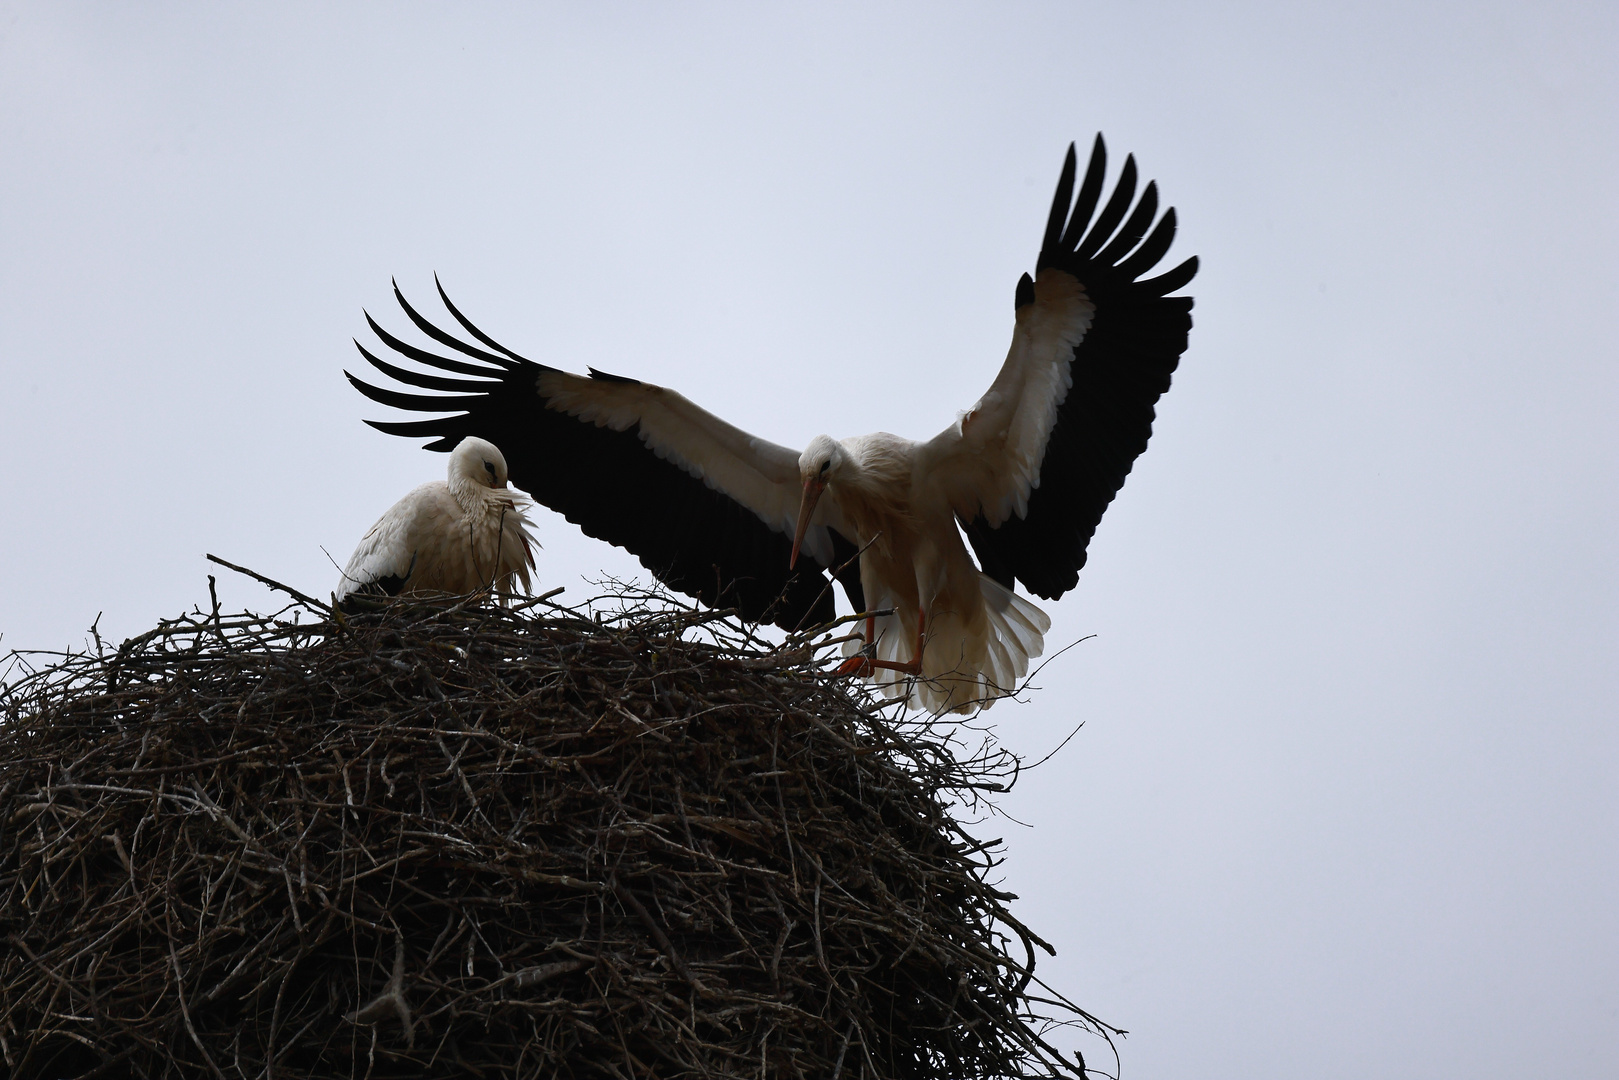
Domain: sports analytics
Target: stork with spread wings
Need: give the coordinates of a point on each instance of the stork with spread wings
(735, 520)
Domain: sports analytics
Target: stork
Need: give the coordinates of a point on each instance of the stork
(464, 535)
(727, 517)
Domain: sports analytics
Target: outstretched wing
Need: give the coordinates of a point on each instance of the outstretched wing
(708, 508)
(1032, 466)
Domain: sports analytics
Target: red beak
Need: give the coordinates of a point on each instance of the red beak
(806, 510)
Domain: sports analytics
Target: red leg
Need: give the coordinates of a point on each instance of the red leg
(860, 664)
(864, 665)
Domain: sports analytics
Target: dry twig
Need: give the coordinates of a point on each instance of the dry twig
(429, 841)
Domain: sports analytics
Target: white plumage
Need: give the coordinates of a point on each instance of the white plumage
(979, 636)
(1023, 477)
(965, 638)
(464, 535)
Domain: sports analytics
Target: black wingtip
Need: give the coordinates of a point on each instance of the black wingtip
(467, 325)
(376, 328)
(1152, 249)
(1133, 230)
(416, 429)
(1060, 201)
(1025, 293)
(1124, 193)
(1090, 189)
(423, 379)
(1178, 278)
(603, 376)
(375, 393)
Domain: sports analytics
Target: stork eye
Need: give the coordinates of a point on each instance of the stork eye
(490, 469)
(825, 465)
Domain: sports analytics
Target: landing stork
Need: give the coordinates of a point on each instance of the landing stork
(1024, 475)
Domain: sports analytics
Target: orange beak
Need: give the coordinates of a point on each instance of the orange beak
(806, 510)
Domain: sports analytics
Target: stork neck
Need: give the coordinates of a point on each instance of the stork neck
(475, 498)
(875, 482)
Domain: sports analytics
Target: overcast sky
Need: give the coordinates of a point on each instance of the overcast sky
(1345, 799)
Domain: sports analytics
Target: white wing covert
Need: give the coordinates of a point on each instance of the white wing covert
(1031, 469)
(988, 461)
(708, 508)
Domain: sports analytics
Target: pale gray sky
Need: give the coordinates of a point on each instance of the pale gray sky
(1345, 801)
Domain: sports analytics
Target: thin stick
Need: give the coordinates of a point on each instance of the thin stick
(272, 583)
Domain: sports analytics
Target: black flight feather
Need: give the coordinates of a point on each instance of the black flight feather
(450, 339)
(610, 483)
(466, 323)
(700, 541)
(1119, 370)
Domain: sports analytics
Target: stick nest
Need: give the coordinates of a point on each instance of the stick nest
(428, 841)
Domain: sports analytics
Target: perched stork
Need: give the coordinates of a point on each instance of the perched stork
(452, 537)
(733, 519)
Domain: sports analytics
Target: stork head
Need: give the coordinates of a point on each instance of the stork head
(819, 465)
(477, 461)
(821, 460)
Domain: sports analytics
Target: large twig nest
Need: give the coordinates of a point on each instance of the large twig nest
(469, 842)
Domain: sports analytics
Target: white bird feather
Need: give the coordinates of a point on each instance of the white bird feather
(1024, 476)
(453, 537)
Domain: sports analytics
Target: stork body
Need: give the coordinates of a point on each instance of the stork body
(735, 520)
(448, 537)
(963, 638)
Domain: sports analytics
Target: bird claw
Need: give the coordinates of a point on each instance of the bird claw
(858, 666)
(864, 663)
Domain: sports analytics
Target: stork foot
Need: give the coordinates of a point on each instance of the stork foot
(857, 666)
(864, 663)
(863, 666)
